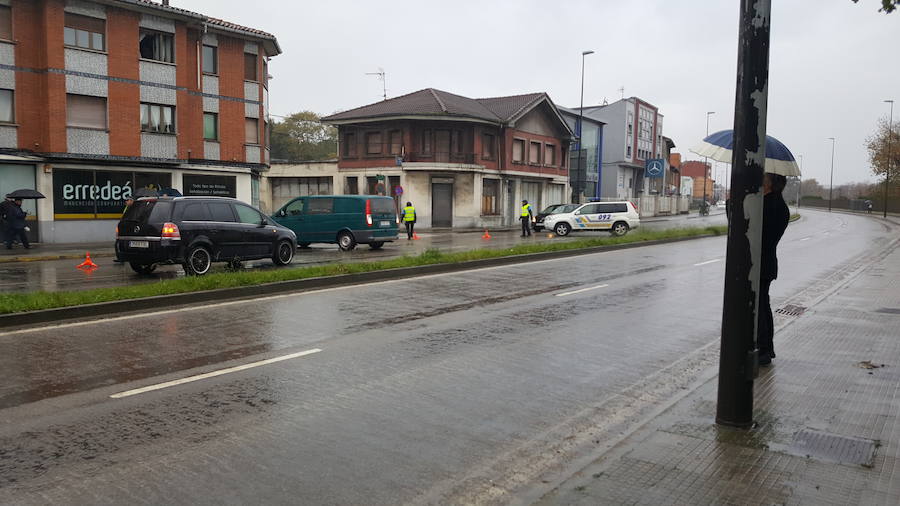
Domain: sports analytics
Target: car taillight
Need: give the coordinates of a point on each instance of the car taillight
(369, 213)
(117, 231)
(170, 230)
(397, 216)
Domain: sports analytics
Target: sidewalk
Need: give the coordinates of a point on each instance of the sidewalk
(827, 413)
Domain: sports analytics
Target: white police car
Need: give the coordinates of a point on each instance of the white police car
(616, 217)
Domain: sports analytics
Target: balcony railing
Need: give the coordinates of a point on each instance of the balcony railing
(440, 157)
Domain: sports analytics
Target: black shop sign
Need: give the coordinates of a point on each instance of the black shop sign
(210, 186)
(99, 194)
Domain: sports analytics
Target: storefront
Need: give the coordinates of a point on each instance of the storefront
(16, 176)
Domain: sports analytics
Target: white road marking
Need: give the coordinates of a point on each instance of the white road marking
(708, 262)
(189, 379)
(806, 238)
(573, 292)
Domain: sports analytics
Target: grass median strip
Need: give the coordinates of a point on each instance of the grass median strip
(33, 301)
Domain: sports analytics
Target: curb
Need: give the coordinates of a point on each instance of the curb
(41, 258)
(112, 308)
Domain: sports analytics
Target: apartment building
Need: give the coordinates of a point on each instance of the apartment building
(99, 98)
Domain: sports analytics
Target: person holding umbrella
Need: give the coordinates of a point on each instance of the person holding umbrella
(15, 224)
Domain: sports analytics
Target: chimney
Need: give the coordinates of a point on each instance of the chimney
(165, 2)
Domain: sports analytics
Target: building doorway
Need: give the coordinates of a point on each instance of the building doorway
(441, 204)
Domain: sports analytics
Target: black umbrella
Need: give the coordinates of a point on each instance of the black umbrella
(25, 193)
(170, 192)
(144, 192)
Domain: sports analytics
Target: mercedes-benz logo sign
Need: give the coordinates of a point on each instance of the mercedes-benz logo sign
(137, 229)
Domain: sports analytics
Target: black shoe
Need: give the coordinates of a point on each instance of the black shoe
(764, 360)
(771, 354)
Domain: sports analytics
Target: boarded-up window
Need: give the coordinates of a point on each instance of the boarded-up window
(518, 152)
(5, 23)
(487, 146)
(426, 142)
(250, 70)
(549, 154)
(350, 145)
(251, 128)
(490, 193)
(534, 153)
(84, 32)
(373, 143)
(86, 112)
(396, 142)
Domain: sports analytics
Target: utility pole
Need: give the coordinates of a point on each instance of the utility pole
(581, 183)
(383, 77)
(890, 160)
(799, 183)
(738, 362)
(706, 160)
(831, 183)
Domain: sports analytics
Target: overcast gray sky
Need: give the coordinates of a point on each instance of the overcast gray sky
(833, 62)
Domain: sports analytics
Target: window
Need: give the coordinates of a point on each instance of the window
(396, 142)
(373, 143)
(426, 142)
(290, 187)
(628, 151)
(295, 208)
(352, 185)
(590, 209)
(195, 211)
(221, 211)
(7, 106)
(158, 118)
(84, 32)
(320, 206)
(534, 153)
(210, 60)
(251, 130)
(350, 145)
(85, 112)
(518, 153)
(157, 46)
(5, 23)
(248, 215)
(456, 141)
(250, 71)
(550, 154)
(487, 146)
(490, 196)
(210, 126)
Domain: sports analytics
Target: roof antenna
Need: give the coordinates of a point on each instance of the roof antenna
(622, 91)
(605, 102)
(381, 76)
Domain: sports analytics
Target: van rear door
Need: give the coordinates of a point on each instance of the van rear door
(384, 213)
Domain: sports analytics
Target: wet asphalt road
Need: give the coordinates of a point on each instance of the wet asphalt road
(422, 386)
(56, 275)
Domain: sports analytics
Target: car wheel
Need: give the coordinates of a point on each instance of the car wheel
(376, 244)
(619, 228)
(197, 261)
(142, 268)
(562, 229)
(304, 245)
(346, 241)
(284, 253)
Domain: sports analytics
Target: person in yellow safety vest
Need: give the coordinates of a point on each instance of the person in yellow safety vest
(409, 219)
(526, 218)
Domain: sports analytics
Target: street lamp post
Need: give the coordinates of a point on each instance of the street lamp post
(705, 159)
(887, 170)
(831, 183)
(799, 183)
(580, 127)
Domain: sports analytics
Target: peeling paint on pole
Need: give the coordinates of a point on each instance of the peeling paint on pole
(738, 356)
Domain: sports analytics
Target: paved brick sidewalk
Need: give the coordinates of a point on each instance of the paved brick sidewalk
(820, 413)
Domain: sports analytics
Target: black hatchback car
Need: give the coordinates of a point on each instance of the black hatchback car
(197, 231)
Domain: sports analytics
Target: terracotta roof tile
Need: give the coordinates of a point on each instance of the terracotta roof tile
(207, 19)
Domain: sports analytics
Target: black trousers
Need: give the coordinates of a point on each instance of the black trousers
(526, 225)
(765, 323)
(409, 228)
(12, 233)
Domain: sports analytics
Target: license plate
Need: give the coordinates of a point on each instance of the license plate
(385, 224)
(138, 244)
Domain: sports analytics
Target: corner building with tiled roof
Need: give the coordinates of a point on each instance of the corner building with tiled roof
(462, 162)
(99, 98)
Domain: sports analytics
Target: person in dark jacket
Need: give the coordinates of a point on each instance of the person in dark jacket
(15, 224)
(4, 210)
(775, 221)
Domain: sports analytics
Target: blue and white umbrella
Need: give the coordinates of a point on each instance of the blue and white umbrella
(779, 159)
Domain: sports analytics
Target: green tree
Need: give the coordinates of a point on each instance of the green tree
(886, 5)
(883, 156)
(302, 136)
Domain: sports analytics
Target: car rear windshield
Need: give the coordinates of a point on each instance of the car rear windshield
(382, 206)
(149, 211)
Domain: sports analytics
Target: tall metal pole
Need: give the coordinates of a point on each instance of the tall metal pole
(580, 130)
(831, 183)
(705, 159)
(890, 160)
(738, 364)
(799, 183)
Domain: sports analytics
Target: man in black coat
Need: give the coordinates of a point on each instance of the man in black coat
(15, 224)
(775, 221)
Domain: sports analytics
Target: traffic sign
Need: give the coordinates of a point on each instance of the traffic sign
(656, 167)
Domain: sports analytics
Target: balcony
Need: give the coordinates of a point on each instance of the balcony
(440, 157)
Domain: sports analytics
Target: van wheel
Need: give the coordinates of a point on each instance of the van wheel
(197, 262)
(619, 228)
(562, 229)
(284, 253)
(376, 244)
(346, 241)
(142, 268)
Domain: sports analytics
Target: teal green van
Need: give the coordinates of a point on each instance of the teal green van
(345, 220)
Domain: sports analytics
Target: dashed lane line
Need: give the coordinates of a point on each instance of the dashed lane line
(573, 292)
(714, 260)
(198, 377)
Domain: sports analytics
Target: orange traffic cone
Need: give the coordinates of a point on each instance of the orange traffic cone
(416, 236)
(87, 264)
(486, 235)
